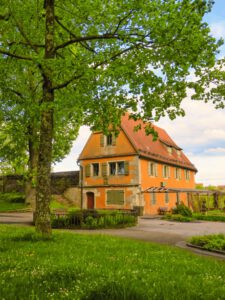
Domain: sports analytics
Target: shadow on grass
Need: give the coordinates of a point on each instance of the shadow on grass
(112, 291)
(30, 237)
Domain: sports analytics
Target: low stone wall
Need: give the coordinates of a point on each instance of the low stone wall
(60, 182)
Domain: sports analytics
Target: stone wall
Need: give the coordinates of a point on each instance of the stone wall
(60, 182)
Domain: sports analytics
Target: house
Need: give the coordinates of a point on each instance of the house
(131, 170)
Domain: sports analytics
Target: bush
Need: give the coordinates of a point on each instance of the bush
(93, 219)
(177, 217)
(209, 242)
(214, 218)
(182, 210)
(12, 197)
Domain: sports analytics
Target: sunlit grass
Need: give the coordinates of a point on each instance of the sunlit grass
(76, 266)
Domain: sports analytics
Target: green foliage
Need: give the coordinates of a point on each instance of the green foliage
(183, 210)
(209, 242)
(12, 197)
(87, 62)
(12, 202)
(177, 217)
(93, 219)
(78, 266)
(210, 217)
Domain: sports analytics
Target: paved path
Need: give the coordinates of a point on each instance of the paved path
(148, 229)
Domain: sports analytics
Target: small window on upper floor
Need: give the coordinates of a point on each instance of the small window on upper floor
(166, 171)
(109, 139)
(169, 149)
(187, 174)
(177, 173)
(153, 169)
(95, 169)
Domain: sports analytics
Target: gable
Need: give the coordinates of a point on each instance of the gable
(97, 146)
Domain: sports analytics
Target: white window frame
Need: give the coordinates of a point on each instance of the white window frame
(166, 171)
(117, 169)
(187, 175)
(177, 173)
(153, 169)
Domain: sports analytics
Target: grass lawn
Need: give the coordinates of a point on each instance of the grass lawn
(12, 202)
(76, 266)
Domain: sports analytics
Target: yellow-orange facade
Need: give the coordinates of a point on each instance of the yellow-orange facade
(118, 170)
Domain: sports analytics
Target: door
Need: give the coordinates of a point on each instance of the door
(90, 200)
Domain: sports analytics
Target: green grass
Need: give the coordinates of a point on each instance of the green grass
(12, 202)
(76, 266)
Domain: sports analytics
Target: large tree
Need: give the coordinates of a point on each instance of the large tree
(20, 103)
(104, 57)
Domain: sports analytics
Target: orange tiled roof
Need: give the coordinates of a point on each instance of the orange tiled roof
(155, 150)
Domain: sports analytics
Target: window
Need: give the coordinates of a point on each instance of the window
(112, 168)
(177, 173)
(119, 168)
(153, 198)
(115, 197)
(109, 139)
(167, 198)
(153, 169)
(95, 169)
(169, 149)
(187, 174)
(166, 171)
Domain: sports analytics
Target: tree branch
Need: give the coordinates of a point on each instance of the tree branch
(85, 45)
(18, 56)
(66, 83)
(88, 38)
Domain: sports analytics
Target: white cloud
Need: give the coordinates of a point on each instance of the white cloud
(217, 150)
(211, 170)
(69, 163)
(218, 29)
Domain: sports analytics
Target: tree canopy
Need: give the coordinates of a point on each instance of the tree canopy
(100, 58)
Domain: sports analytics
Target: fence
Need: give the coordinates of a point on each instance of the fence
(92, 219)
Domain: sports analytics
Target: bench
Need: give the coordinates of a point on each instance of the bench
(163, 210)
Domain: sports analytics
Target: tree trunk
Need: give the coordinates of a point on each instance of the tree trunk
(42, 216)
(30, 185)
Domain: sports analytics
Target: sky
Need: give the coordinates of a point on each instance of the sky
(201, 133)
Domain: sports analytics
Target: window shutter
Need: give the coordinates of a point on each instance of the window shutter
(113, 139)
(156, 169)
(126, 167)
(88, 170)
(163, 171)
(168, 172)
(104, 169)
(102, 138)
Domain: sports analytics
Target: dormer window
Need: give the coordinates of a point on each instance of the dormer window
(178, 152)
(169, 149)
(108, 140)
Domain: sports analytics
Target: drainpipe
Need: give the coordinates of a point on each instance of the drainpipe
(81, 184)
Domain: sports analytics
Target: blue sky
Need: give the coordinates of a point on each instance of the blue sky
(201, 133)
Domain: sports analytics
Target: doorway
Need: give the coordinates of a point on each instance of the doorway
(90, 200)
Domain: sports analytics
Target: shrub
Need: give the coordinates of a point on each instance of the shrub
(177, 217)
(209, 242)
(214, 218)
(93, 220)
(12, 197)
(183, 210)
